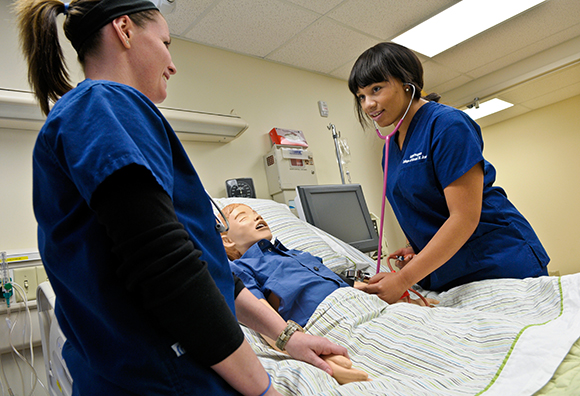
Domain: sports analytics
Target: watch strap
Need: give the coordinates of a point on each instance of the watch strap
(284, 337)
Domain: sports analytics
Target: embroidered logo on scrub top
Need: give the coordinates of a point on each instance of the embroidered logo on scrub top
(415, 157)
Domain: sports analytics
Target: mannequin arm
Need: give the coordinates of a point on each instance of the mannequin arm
(341, 366)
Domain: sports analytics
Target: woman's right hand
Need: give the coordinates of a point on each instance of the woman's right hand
(309, 348)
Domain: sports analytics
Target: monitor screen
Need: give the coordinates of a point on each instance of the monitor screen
(341, 211)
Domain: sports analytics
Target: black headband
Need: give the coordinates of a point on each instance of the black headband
(101, 14)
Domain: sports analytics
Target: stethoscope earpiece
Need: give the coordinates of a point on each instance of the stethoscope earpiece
(220, 227)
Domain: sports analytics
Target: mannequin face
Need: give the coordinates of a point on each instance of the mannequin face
(151, 63)
(384, 102)
(246, 228)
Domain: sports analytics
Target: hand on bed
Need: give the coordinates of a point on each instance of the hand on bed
(309, 349)
(387, 286)
(343, 371)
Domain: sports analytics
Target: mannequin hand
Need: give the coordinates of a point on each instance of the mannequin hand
(386, 285)
(308, 348)
(343, 371)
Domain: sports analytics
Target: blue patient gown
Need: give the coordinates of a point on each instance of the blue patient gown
(114, 346)
(441, 145)
(299, 279)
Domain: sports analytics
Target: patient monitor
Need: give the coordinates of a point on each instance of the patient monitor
(341, 211)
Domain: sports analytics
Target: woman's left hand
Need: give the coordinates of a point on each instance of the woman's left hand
(308, 348)
(387, 285)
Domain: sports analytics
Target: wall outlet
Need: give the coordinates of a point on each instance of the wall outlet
(25, 277)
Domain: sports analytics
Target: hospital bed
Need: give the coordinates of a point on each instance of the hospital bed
(496, 337)
(59, 381)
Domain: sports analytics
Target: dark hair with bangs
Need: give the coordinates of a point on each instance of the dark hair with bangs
(383, 62)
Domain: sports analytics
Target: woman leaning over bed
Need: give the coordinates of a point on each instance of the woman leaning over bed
(125, 228)
(459, 226)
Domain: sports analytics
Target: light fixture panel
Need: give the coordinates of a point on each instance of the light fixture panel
(486, 108)
(459, 23)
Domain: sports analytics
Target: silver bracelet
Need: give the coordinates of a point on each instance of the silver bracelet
(284, 337)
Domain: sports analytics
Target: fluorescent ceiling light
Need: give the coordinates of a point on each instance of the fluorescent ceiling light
(460, 22)
(487, 108)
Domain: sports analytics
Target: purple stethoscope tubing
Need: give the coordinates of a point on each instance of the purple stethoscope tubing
(387, 140)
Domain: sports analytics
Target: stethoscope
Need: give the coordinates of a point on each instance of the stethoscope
(220, 226)
(387, 140)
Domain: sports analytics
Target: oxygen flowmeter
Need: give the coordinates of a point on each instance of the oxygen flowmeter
(6, 281)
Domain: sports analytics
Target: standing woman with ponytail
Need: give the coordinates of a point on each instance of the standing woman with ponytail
(145, 296)
(460, 227)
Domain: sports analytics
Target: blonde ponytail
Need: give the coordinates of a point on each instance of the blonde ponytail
(47, 72)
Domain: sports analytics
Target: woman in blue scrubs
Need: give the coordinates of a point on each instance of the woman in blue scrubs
(144, 292)
(460, 227)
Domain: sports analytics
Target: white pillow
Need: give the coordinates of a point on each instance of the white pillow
(297, 234)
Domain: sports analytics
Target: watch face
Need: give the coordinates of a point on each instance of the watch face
(240, 188)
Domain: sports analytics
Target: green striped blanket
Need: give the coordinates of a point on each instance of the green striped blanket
(497, 337)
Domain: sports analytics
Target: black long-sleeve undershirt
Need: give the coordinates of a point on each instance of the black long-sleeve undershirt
(157, 254)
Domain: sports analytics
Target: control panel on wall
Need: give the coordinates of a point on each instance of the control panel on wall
(241, 187)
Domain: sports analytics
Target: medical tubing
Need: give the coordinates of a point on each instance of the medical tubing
(421, 297)
(387, 140)
(20, 290)
(24, 298)
(269, 385)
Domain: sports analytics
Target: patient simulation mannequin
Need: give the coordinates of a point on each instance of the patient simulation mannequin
(246, 229)
(274, 274)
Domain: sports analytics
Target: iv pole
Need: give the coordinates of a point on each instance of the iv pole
(335, 136)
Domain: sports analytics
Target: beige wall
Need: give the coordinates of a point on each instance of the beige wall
(265, 94)
(534, 153)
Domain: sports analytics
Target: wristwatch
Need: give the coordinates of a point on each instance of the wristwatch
(284, 337)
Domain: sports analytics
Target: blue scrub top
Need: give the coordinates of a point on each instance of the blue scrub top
(114, 346)
(442, 144)
(299, 279)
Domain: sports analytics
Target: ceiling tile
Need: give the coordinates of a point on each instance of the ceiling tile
(554, 96)
(442, 89)
(527, 51)
(512, 40)
(535, 92)
(254, 27)
(343, 72)
(434, 74)
(319, 6)
(385, 19)
(186, 13)
(323, 47)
